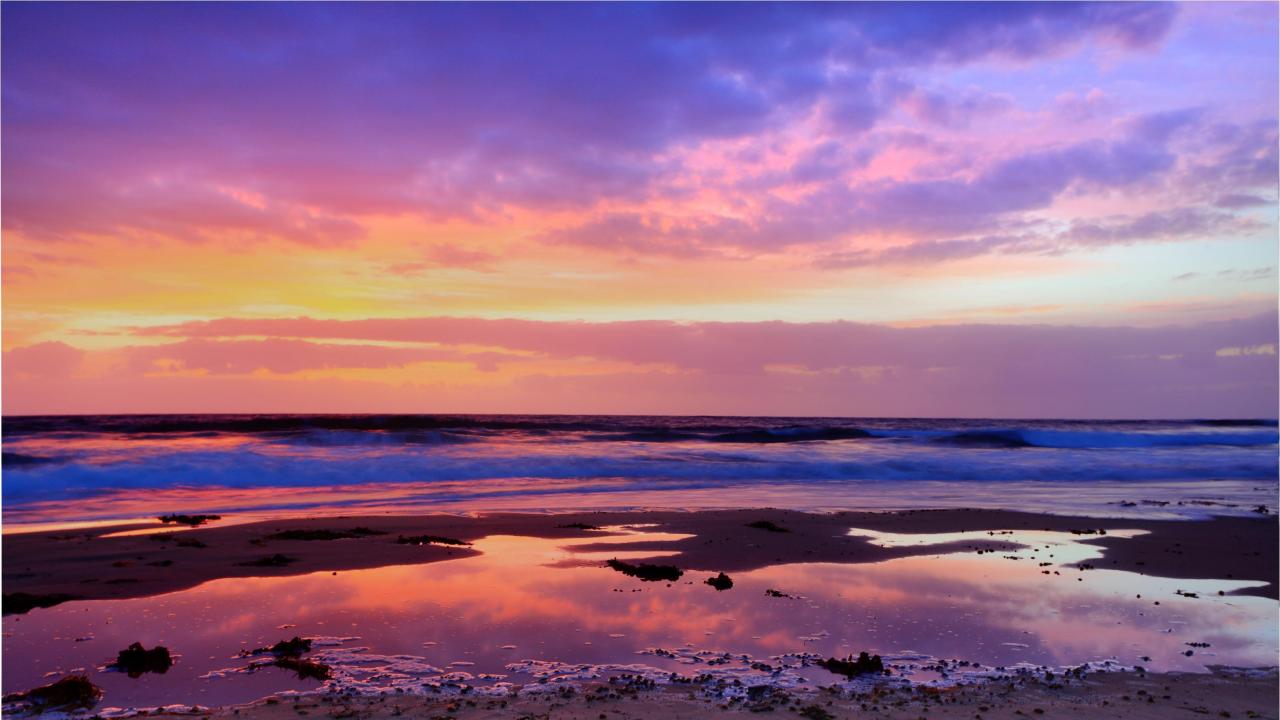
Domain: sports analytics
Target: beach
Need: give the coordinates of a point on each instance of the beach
(130, 560)
(568, 566)
(1144, 617)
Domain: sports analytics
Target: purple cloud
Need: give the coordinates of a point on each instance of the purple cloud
(128, 118)
(988, 201)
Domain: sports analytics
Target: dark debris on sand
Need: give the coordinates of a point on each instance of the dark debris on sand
(355, 532)
(285, 648)
(192, 520)
(20, 602)
(306, 669)
(276, 560)
(815, 712)
(136, 660)
(180, 541)
(429, 540)
(864, 665)
(767, 525)
(720, 582)
(647, 572)
(70, 693)
(579, 526)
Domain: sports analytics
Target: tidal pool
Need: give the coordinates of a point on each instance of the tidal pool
(529, 609)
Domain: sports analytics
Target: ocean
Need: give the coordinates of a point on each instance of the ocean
(96, 469)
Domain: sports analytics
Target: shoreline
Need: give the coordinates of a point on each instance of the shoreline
(45, 568)
(1221, 692)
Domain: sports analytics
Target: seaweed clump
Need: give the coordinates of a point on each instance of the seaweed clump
(579, 526)
(306, 669)
(767, 525)
(647, 572)
(136, 660)
(20, 602)
(192, 520)
(720, 582)
(276, 560)
(356, 532)
(284, 648)
(182, 542)
(864, 665)
(71, 692)
(815, 712)
(429, 540)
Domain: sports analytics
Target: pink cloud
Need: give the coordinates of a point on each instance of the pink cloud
(43, 360)
(284, 356)
(756, 368)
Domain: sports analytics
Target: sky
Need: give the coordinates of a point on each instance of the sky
(880, 209)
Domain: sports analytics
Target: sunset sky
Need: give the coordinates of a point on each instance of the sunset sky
(1049, 210)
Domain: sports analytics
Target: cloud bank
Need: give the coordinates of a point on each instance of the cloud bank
(1218, 369)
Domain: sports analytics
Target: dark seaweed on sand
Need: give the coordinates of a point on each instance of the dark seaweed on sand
(20, 602)
(647, 572)
(355, 532)
(71, 692)
(136, 660)
(429, 540)
(181, 541)
(864, 665)
(285, 648)
(191, 520)
(720, 582)
(815, 712)
(306, 669)
(579, 526)
(276, 560)
(767, 525)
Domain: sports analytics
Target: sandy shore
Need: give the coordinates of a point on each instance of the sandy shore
(1131, 695)
(48, 567)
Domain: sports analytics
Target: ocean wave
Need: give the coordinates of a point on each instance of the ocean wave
(347, 438)
(1059, 439)
(523, 467)
(986, 439)
(22, 460)
(1011, 438)
(791, 434)
(57, 459)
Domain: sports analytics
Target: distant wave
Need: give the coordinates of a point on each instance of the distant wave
(20, 460)
(986, 439)
(344, 438)
(440, 430)
(1008, 439)
(253, 424)
(791, 434)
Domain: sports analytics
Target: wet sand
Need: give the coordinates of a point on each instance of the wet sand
(1131, 695)
(98, 563)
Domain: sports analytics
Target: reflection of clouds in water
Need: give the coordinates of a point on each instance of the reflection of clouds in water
(984, 608)
(1065, 617)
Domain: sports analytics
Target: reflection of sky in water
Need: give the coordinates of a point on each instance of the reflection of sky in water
(984, 608)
